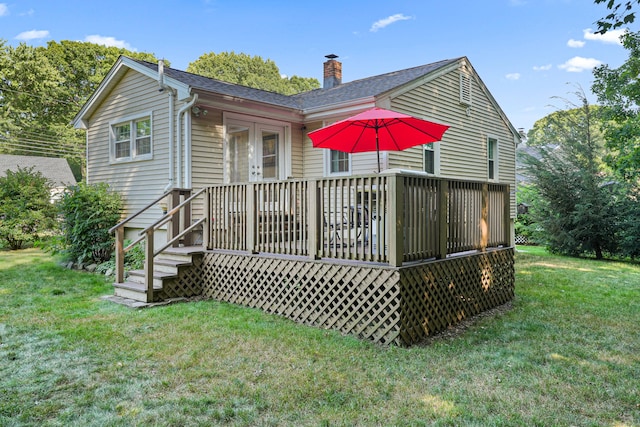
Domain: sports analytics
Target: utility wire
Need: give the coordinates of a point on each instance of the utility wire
(39, 96)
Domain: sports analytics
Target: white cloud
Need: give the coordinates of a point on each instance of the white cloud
(4, 9)
(108, 41)
(513, 76)
(612, 36)
(32, 35)
(575, 43)
(388, 21)
(578, 64)
(542, 67)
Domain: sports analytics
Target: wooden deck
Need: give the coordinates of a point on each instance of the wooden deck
(388, 257)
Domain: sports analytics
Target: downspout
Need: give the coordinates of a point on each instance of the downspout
(86, 156)
(184, 109)
(171, 93)
(187, 150)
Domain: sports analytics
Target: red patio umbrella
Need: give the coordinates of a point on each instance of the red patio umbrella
(377, 130)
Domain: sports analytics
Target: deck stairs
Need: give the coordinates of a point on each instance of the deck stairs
(170, 268)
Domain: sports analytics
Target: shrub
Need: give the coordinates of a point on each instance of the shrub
(133, 259)
(88, 212)
(26, 212)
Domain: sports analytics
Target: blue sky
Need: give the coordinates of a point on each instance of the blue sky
(526, 51)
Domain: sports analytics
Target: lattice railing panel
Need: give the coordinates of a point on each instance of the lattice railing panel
(439, 294)
(359, 300)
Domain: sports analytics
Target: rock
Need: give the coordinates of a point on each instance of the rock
(109, 272)
(91, 267)
(70, 265)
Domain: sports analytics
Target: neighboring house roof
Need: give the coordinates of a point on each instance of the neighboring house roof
(55, 169)
(184, 83)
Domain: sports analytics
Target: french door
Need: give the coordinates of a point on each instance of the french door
(255, 152)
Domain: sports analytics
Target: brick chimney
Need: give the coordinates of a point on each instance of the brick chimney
(332, 72)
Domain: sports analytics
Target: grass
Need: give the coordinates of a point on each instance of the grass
(566, 354)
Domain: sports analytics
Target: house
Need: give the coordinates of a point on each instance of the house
(55, 169)
(267, 191)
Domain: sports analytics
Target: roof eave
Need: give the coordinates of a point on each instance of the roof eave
(338, 109)
(116, 72)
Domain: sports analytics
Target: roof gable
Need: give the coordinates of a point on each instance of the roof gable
(367, 87)
(55, 169)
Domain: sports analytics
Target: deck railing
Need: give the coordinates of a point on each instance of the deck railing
(384, 218)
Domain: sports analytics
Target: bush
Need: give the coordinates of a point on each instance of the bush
(88, 212)
(26, 212)
(133, 259)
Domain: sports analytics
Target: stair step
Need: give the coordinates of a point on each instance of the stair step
(181, 253)
(165, 265)
(137, 276)
(133, 290)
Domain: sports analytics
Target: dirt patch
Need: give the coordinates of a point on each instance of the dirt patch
(459, 328)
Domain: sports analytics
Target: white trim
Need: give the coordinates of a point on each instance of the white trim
(496, 158)
(395, 92)
(466, 87)
(130, 119)
(326, 160)
(435, 146)
(345, 109)
(122, 65)
(256, 125)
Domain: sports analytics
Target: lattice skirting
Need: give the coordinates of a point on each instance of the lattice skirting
(383, 304)
(189, 281)
(439, 294)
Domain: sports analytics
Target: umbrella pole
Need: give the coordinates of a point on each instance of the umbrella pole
(378, 149)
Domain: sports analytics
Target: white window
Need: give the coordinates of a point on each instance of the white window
(131, 138)
(492, 158)
(431, 158)
(337, 163)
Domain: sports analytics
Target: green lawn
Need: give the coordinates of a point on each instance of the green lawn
(566, 354)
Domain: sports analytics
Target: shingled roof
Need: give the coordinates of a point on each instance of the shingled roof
(367, 87)
(55, 169)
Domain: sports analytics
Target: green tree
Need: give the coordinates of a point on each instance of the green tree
(618, 90)
(622, 13)
(26, 212)
(251, 71)
(41, 90)
(578, 200)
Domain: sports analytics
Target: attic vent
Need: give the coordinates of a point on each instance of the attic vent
(465, 88)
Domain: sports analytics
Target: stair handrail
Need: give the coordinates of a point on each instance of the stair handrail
(166, 217)
(183, 233)
(148, 236)
(131, 217)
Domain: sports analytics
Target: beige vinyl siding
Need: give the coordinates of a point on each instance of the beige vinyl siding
(314, 161)
(207, 142)
(297, 150)
(139, 182)
(463, 149)
(313, 158)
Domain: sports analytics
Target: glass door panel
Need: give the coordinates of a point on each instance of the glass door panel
(270, 157)
(238, 154)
